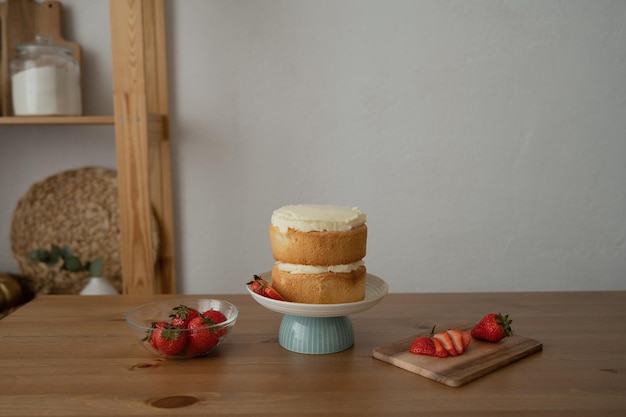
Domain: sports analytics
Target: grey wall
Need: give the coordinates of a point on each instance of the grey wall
(486, 141)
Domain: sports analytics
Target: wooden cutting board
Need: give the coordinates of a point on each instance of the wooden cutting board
(479, 359)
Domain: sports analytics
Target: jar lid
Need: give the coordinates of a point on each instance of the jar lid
(43, 43)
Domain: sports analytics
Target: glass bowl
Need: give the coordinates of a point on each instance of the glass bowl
(162, 329)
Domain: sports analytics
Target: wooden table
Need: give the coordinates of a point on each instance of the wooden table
(74, 356)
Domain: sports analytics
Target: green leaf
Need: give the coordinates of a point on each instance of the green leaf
(55, 250)
(95, 268)
(73, 264)
(53, 258)
(42, 255)
(38, 255)
(66, 252)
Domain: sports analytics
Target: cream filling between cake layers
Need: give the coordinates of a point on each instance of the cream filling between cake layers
(317, 217)
(314, 269)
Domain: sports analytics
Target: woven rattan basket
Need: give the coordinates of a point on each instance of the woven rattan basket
(76, 208)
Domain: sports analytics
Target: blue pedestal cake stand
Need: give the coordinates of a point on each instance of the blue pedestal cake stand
(320, 328)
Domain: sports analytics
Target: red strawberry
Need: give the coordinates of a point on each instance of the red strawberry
(447, 343)
(170, 340)
(440, 351)
(216, 316)
(467, 338)
(182, 314)
(450, 343)
(262, 287)
(428, 345)
(153, 334)
(493, 328)
(423, 346)
(457, 340)
(201, 338)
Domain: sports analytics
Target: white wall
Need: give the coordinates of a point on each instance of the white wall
(485, 140)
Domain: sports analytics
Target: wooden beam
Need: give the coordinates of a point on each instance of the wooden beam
(155, 55)
(143, 144)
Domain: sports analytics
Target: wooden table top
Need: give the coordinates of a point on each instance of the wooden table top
(74, 356)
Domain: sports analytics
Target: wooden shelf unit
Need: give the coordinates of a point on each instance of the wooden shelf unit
(141, 120)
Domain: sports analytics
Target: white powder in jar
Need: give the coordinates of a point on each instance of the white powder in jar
(46, 91)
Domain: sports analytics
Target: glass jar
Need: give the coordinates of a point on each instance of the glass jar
(45, 80)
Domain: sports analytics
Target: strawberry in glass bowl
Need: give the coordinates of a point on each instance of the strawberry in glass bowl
(181, 328)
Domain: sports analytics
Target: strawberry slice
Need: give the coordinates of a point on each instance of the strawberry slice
(423, 346)
(440, 351)
(447, 343)
(467, 338)
(262, 287)
(457, 340)
(443, 344)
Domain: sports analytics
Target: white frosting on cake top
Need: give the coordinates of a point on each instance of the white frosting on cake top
(317, 217)
(313, 269)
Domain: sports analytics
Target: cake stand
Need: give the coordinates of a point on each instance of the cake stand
(320, 328)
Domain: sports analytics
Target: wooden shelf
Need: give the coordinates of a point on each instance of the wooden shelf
(57, 120)
(144, 170)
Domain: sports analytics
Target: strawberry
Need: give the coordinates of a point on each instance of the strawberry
(493, 328)
(457, 340)
(153, 334)
(446, 342)
(467, 338)
(450, 343)
(216, 316)
(182, 314)
(262, 287)
(440, 351)
(201, 338)
(423, 345)
(170, 340)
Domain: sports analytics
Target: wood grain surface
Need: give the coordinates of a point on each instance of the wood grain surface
(479, 359)
(74, 356)
(142, 140)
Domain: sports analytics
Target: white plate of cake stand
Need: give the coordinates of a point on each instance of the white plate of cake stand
(320, 328)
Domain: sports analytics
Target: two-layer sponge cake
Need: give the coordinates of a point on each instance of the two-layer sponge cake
(319, 251)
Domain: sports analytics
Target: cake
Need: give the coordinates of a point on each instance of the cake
(319, 251)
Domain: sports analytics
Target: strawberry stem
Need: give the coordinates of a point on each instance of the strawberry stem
(505, 323)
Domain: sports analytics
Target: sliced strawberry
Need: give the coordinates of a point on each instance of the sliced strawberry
(457, 340)
(467, 338)
(447, 343)
(262, 287)
(423, 346)
(440, 351)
